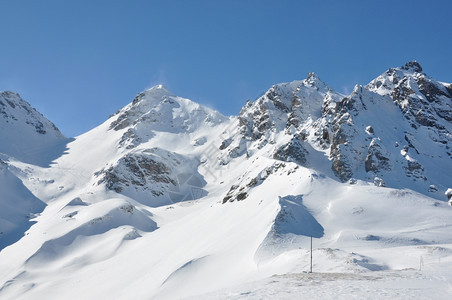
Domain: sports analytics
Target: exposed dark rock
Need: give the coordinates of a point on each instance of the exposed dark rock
(376, 159)
(430, 90)
(138, 98)
(414, 165)
(134, 169)
(230, 194)
(225, 143)
(342, 170)
(292, 152)
(242, 196)
(410, 144)
(10, 103)
(253, 182)
(121, 122)
(413, 65)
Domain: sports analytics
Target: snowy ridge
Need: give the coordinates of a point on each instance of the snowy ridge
(25, 133)
(392, 127)
(168, 199)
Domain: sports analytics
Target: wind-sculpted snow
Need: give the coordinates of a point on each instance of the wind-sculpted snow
(168, 199)
(18, 207)
(295, 218)
(117, 219)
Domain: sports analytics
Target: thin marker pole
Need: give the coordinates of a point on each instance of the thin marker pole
(311, 255)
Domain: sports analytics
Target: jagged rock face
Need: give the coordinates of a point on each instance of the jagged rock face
(24, 131)
(14, 110)
(376, 158)
(288, 108)
(138, 169)
(423, 100)
(283, 106)
(343, 152)
(397, 109)
(436, 101)
(292, 151)
(255, 177)
(373, 134)
(154, 176)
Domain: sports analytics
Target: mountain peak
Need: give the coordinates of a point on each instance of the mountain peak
(312, 76)
(159, 109)
(25, 133)
(313, 79)
(158, 87)
(158, 91)
(413, 66)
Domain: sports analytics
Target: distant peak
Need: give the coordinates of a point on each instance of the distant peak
(412, 66)
(312, 76)
(158, 87)
(314, 80)
(9, 94)
(158, 91)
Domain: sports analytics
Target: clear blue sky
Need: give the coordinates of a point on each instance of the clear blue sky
(79, 61)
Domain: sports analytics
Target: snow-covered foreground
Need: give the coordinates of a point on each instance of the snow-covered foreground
(405, 284)
(371, 242)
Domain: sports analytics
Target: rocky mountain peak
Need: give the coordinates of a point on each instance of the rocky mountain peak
(158, 110)
(314, 80)
(152, 96)
(400, 108)
(23, 129)
(412, 66)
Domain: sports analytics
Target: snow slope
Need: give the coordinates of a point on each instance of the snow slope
(168, 199)
(26, 134)
(17, 206)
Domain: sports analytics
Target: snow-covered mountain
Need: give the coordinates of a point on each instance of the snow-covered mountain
(396, 131)
(170, 199)
(25, 133)
(27, 136)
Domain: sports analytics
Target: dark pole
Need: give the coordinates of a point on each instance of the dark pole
(311, 255)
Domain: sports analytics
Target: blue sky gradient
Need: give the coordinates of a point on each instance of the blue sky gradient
(77, 62)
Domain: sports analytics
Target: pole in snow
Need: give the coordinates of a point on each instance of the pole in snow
(311, 255)
(421, 263)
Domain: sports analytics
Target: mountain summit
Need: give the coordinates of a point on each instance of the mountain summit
(25, 133)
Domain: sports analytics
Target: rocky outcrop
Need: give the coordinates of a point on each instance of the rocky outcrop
(293, 151)
(425, 105)
(377, 158)
(138, 170)
(13, 107)
(253, 178)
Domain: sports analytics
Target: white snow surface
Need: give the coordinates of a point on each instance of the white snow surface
(168, 200)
